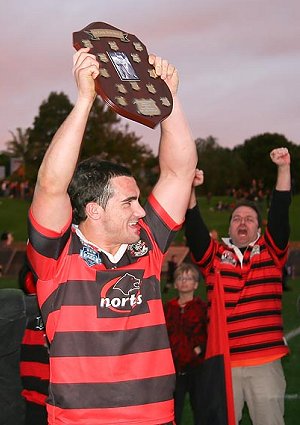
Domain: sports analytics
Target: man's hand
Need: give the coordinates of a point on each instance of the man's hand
(199, 178)
(198, 181)
(280, 156)
(197, 350)
(166, 72)
(85, 70)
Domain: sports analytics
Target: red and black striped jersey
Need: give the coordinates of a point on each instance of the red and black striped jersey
(252, 296)
(34, 357)
(110, 360)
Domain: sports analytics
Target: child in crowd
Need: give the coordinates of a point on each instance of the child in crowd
(186, 323)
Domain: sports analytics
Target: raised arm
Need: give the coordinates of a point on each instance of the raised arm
(278, 217)
(281, 158)
(177, 151)
(196, 232)
(197, 181)
(51, 204)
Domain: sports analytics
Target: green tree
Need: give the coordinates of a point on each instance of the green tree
(223, 169)
(99, 131)
(5, 161)
(52, 113)
(255, 154)
(104, 136)
(18, 145)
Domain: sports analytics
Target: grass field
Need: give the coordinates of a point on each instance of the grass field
(13, 217)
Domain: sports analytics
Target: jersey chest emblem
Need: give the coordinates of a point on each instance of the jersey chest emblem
(255, 250)
(228, 258)
(138, 249)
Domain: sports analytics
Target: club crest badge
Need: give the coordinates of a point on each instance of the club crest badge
(255, 250)
(138, 249)
(228, 258)
(90, 256)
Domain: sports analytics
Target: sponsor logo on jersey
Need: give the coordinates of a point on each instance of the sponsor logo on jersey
(122, 294)
(90, 255)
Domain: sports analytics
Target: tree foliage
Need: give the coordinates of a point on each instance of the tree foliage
(223, 169)
(255, 153)
(236, 168)
(52, 113)
(17, 147)
(104, 136)
(5, 161)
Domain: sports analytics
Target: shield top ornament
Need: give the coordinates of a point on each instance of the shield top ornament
(127, 82)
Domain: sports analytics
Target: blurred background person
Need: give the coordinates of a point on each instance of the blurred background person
(186, 324)
(34, 356)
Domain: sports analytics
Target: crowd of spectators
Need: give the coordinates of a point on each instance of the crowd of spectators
(255, 193)
(15, 189)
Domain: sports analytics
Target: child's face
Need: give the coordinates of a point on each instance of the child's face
(186, 283)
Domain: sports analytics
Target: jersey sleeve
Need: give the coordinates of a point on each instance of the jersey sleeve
(197, 234)
(45, 248)
(278, 218)
(162, 226)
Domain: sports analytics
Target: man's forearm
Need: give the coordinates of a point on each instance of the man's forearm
(196, 232)
(283, 177)
(177, 151)
(61, 157)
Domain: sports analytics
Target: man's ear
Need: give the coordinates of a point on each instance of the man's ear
(259, 231)
(93, 210)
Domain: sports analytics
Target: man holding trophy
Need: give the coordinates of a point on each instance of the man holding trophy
(97, 255)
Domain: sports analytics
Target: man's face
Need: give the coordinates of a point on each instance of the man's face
(243, 228)
(122, 212)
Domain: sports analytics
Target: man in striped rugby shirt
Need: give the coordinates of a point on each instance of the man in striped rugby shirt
(246, 269)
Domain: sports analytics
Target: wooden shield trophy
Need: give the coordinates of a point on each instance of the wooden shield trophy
(127, 82)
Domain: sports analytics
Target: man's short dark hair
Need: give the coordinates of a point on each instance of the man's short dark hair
(91, 183)
(249, 204)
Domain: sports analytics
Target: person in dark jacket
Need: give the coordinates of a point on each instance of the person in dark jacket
(12, 326)
(34, 355)
(186, 324)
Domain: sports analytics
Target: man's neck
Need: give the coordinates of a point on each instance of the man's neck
(114, 254)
